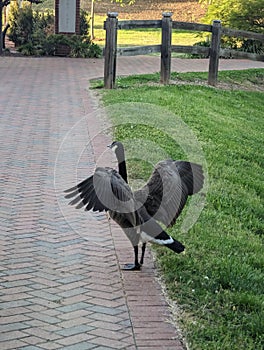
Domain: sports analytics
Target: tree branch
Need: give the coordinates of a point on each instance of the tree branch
(5, 3)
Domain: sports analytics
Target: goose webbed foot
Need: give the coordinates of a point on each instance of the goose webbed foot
(136, 266)
(131, 267)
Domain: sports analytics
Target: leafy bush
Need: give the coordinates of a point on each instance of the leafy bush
(21, 23)
(238, 14)
(27, 49)
(33, 33)
(79, 46)
(204, 43)
(27, 26)
(53, 42)
(82, 46)
(95, 51)
(84, 22)
(254, 46)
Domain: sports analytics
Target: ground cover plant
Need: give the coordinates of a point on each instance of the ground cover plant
(218, 283)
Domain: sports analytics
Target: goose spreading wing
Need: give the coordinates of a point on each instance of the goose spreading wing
(106, 190)
(161, 199)
(167, 190)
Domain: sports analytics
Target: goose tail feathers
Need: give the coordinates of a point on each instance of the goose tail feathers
(176, 246)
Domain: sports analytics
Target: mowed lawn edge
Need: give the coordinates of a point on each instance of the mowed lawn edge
(218, 283)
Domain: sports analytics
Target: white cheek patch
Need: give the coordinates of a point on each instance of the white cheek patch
(114, 148)
(147, 238)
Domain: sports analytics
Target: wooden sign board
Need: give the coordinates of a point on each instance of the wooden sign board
(67, 16)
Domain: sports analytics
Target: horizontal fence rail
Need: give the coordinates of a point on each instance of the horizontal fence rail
(157, 24)
(195, 50)
(112, 25)
(139, 24)
(197, 27)
(241, 55)
(138, 50)
(242, 34)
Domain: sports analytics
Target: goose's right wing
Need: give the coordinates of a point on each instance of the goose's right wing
(104, 191)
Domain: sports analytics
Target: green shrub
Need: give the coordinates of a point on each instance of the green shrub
(254, 46)
(94, 51)
(21, 24)
(27, 49)
(27, 26)
(204, 43)
(82, 46)
(31, 31)
(238, 14)
(53, 42)
(79, 46)
(84, 22)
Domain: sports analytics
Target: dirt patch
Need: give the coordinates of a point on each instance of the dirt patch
(190, 11)
(245, 86)
(230, 86)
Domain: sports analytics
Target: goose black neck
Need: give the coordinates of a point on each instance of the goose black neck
(122, 170)
(120, 155)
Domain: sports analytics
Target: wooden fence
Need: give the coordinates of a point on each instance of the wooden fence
(112, 25)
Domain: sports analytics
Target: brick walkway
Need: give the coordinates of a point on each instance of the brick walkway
(60, 282)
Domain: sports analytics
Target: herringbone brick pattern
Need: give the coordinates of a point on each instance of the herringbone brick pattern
(60, 282)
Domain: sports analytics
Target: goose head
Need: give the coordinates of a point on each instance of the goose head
(118, 148)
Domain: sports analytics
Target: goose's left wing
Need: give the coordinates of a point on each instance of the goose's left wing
(166, 192)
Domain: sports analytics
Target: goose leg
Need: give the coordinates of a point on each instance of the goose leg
(136, 266)
(143, 253)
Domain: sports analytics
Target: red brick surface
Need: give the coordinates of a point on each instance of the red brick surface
(61, 286)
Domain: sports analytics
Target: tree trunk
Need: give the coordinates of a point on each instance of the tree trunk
(92, 20)
(1, 35)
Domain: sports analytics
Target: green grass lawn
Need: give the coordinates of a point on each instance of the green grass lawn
(218, 283)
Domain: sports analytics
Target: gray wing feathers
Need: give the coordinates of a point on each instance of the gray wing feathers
(163, 197)
(167, 190)
(191, 175)
(104, 191)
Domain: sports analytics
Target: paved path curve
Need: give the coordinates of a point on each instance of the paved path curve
(60, 282)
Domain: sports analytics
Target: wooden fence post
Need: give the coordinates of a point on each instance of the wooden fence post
(165, 67)
(110, 50)
(214, 53)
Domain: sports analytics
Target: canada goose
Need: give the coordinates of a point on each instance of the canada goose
(162, 199)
